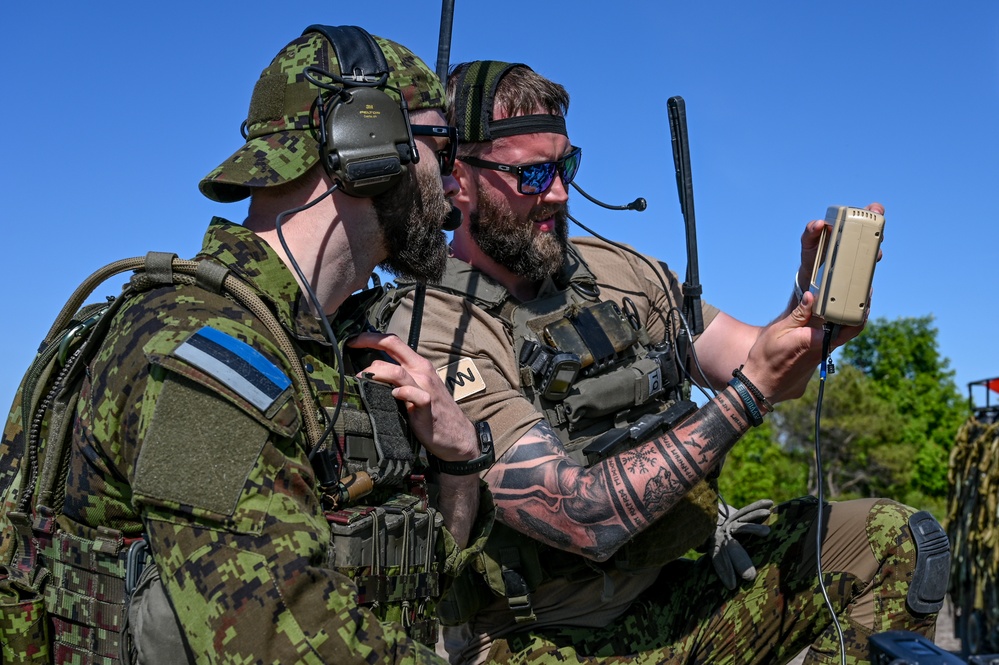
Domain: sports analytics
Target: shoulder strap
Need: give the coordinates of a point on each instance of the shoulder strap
(575, 271)
(61, 354)
(460, 279)
(464, 280)
(220, 279)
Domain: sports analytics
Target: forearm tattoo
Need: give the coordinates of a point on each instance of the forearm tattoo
(540, 491)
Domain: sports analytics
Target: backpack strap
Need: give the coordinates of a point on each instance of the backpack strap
(154, 270)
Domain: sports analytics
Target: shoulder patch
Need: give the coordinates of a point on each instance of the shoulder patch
(462, 379)
(198, 452)
(235, 364)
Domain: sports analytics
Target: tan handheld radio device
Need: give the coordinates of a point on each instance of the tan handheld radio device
(844, 264)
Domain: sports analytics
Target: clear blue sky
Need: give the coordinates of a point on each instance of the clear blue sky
(115, 110)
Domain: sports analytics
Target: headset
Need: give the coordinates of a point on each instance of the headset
(365, 139)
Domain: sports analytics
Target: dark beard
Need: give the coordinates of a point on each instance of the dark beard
(511, 242)
(411, 216)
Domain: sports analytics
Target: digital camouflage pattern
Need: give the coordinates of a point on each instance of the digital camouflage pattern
(282, 142)
(23, 637)
(689, 617)
(224, 492)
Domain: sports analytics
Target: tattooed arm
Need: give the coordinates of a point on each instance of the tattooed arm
(593, 511)
(543, 493)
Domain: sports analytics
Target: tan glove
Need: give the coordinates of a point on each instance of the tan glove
(730, 559)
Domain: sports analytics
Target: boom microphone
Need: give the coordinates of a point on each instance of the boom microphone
(453, 219)
(638, 204)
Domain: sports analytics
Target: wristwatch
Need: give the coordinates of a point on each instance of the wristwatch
(485, 459)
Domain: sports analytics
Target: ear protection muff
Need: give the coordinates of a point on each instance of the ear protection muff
(365, 139)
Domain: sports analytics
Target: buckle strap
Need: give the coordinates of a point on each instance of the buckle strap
(518, 594)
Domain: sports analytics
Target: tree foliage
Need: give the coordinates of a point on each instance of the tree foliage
(888, 421)
(905, 366)
(854, 425)
(758, 468)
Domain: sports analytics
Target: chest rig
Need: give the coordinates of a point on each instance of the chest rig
(385, 533)
(591, 368)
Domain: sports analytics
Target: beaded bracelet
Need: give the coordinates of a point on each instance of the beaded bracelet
(757, 393)
(748, 402)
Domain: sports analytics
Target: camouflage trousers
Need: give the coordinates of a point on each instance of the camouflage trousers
(688, 616)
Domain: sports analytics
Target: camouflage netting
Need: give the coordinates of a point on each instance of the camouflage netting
(972, 520)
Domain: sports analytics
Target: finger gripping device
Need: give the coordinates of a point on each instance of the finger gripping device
(844, 264)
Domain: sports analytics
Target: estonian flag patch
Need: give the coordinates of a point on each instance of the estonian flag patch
(235, 364)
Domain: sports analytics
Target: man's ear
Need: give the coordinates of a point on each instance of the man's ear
(468, 192)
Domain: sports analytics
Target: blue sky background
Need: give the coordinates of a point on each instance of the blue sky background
(115, 110)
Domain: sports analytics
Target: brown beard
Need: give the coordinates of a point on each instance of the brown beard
(511, 242)
(411, 216)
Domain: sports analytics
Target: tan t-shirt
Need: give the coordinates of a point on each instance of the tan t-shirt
(475, 351)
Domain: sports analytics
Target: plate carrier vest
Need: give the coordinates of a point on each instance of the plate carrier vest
(626, 391)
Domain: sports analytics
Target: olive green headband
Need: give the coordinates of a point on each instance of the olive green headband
(473, 106)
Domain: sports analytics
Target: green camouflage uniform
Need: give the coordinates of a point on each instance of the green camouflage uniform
(188, 432)
(224, 491)
(688, 616)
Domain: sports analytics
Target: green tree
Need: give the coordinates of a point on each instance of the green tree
(856, 428)
(758, 468)
(888, 421)
(908, 373)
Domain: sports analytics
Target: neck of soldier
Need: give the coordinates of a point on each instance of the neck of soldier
(320, 239)
(464, 248)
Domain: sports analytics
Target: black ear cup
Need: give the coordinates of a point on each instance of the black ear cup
(366, 144)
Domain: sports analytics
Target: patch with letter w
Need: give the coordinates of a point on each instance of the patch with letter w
(462, 379)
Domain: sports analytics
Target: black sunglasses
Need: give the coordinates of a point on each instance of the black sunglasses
(446, 156)
(534, 179)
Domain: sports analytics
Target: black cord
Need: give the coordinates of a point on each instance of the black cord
(327, 328)
(826, 343)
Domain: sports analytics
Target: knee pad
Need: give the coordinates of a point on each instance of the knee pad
(932, 574)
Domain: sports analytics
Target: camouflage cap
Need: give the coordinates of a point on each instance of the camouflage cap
(282, 142)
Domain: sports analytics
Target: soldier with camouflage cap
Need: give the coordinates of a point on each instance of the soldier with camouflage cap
(191, 435)
(570, 572)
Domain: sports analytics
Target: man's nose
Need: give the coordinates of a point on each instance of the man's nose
(450, 185)
(557, 193)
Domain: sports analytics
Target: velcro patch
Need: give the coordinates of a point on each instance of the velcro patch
(235, 364)
(199, 449)
(462, 379)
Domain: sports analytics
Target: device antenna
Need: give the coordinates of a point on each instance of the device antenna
(685, 188)
(444, 40)
(443, 63)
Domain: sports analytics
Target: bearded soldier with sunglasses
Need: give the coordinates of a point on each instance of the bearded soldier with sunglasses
(605, 474)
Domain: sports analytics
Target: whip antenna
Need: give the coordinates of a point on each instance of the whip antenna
(443, 62)
(685, 188)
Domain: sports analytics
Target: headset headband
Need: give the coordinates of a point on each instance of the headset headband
(475, 93)
(358, 54)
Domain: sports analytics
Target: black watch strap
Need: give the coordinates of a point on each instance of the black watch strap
(487, 455)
